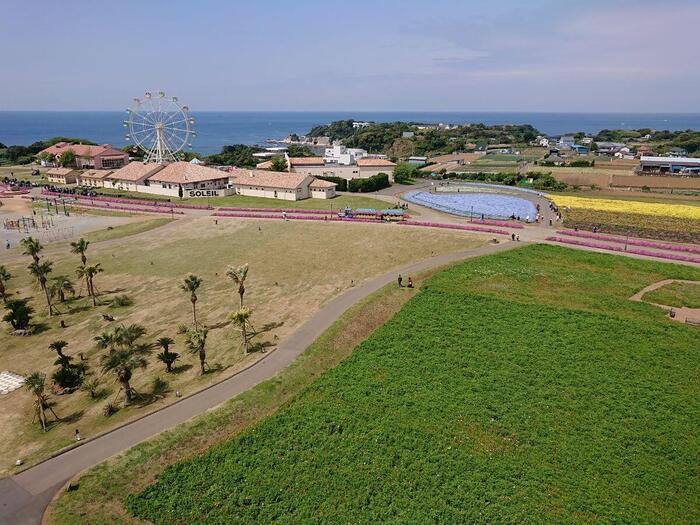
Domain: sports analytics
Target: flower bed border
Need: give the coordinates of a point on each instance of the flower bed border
(620, 249)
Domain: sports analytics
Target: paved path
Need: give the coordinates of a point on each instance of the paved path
(682, 314)
(24, 497)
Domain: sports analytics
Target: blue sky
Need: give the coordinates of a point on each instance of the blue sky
(438, 55)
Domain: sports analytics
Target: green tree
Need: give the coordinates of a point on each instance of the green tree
(32, 247)
(88, 273)
(238, 276)
(67, 159)
(19, 313)
(278, 164)
(36, 384)
(166, 356)
(241, 319)
(58, 346)
(40, 271)
(195, 341)
(128, 354)
(5, 277)
(190, 285)
(60, 286)
(80, 247)
(404, 172)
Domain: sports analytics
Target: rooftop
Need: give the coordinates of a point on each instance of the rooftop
(135, 171)
(267, 179)
(82, 150)
(95, 174)
(185, 172)
(671, 160)
(306, 161)
(60, 171)
(320, 183)
(375, 163)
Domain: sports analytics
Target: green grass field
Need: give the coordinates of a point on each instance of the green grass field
(243, 201)
(676, 294)
(517, 388)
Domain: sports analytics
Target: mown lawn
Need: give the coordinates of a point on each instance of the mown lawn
(244, 201)
(676, 294)
(522, 387)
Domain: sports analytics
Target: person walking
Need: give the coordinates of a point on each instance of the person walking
(399, 280)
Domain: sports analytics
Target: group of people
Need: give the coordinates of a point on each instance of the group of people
(409, 284)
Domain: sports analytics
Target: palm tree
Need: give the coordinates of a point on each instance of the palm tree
(58, 346)
(241, 319)
(190, 285)
(128, 354)
(41, 270)
(166, 356)
(105, 340)
(36, 383)
(80, 247)
(32, 247)
(238, 276)
(5, 277)
(19, 313)
(195, 340)
(59, 286)
(88, 274)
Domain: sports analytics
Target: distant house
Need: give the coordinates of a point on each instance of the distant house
(669, 165)
(644, 151)
(417, 160)
(408, 135)
(322, 189)
(553, 158)
(339, 154)
(370, 167)
(88, 156)
(298, 164)
(586, 141)
(275, 185)
(609, 148)
(580, 149)
(182, 179)
(62, 175)
(567, 140)
(677, 152)
(357, 125)
(132, 176)
(93, 178)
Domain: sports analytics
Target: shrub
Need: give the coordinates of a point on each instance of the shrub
(109, 409)
(342, 183)
(121, 301)
(373, 183)
(404, 172)
(19, 313)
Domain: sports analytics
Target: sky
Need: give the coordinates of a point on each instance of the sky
(353, 55)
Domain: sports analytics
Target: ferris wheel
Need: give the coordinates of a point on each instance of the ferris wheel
(160, 126)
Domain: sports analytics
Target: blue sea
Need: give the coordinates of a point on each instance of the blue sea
(216, 129)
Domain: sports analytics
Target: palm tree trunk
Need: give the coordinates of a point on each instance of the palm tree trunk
(83, 259)
(241, 292)
(194, 313)
(127, 393)
(202, 360)
(42, 414)
(92, 293)
(61, 296)
(168, 367)
(245, 339)
(48, 299)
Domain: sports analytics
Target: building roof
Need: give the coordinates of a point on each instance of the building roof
(306, 161)
(675, 161)
(82, 150)
(322, 184)
(266, 165)
(59, 172)
(268, 179)
(135, 171)
(185, 173)
(379, 163)
(95, 174)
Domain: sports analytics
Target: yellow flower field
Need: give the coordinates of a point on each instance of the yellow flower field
(680, 211)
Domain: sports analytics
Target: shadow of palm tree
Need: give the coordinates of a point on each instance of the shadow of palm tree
(267, 328)
(181, 368)
(222, 324)
(260, 346)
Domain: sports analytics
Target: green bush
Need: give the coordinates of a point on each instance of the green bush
(342, 184)
(373, 183)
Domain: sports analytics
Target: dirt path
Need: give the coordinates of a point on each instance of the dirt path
(24, 496)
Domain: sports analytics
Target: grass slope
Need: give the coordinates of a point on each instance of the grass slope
(676, 294)
(521, 387)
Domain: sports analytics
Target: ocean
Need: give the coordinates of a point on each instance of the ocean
(216, 129)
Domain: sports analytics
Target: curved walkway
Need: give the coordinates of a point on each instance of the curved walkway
(24, 496)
